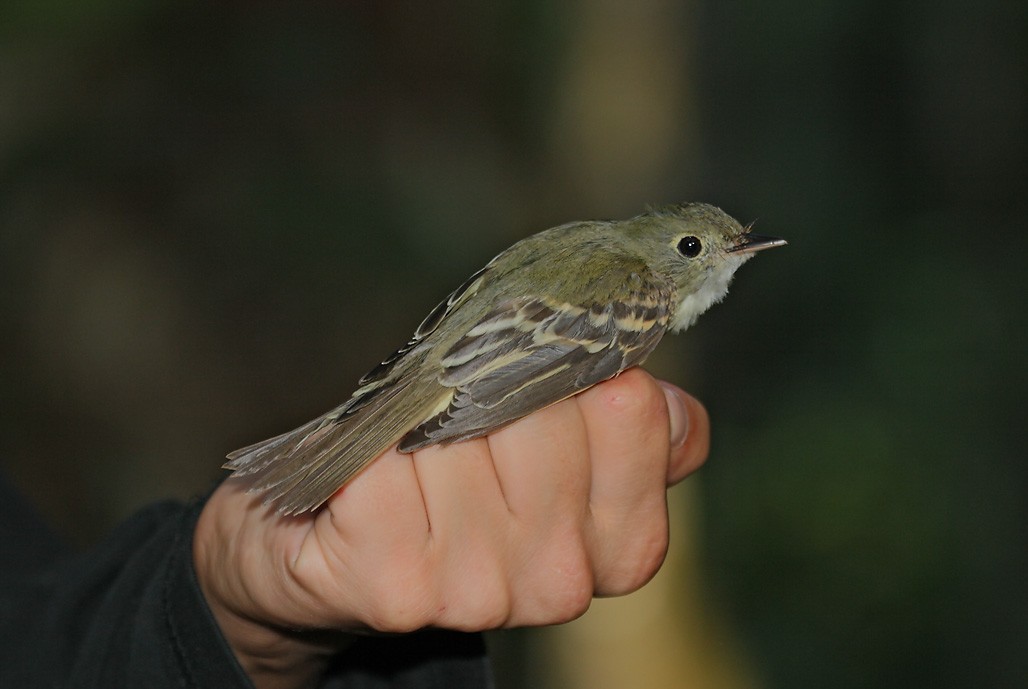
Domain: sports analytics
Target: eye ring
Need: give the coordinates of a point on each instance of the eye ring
(689, 246)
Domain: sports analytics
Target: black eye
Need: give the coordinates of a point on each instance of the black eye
(689, 247)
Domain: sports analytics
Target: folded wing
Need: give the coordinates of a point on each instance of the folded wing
(532, 352)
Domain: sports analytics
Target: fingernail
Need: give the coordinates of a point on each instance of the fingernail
(677, 414)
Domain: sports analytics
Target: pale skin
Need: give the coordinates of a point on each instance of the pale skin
(520, 528)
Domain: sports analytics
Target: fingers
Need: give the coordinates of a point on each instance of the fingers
(587, 480)
(545, 472)
(447, 477)
(629, 446)
(539, 462)
(468, 546)
(523, 527)
(628, 438)
(364, 560)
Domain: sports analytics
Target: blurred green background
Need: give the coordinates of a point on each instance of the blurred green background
(215, 217)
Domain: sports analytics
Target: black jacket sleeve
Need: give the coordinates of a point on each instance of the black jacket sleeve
(127, 613)
(130, 613)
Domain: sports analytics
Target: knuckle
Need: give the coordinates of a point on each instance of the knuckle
(574, 600)
(491, 613)
(636, 562)
(398, 614)
(564, 586)
(402, 600)
(637, 395)
(479, 605)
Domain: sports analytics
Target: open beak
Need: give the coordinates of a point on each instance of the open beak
(750, 242)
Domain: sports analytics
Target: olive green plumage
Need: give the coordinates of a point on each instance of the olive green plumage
(549, 317)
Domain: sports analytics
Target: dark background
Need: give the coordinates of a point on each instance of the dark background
(214, 219)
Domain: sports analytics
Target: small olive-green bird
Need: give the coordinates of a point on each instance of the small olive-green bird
(551, 316)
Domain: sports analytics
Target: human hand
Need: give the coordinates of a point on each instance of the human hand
(521, 528)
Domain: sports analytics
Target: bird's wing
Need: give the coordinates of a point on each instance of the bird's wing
(531, 352)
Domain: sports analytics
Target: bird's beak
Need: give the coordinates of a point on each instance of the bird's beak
(749, 242)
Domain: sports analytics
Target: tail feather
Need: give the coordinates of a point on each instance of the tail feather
(303, 468)
(253, 459)
(305, 488)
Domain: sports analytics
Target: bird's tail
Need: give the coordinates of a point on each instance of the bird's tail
(303, 468)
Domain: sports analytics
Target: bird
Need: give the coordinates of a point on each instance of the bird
(546, 319)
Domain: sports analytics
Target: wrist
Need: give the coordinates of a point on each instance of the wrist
(275, 658)
(272, 653)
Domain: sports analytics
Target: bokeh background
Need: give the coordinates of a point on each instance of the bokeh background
(214, 217)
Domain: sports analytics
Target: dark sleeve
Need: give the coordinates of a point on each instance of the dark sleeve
(430, 659)
(129, 613)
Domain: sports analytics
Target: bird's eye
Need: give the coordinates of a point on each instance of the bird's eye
(689, 247)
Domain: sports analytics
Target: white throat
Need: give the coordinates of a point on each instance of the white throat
(712, 290)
